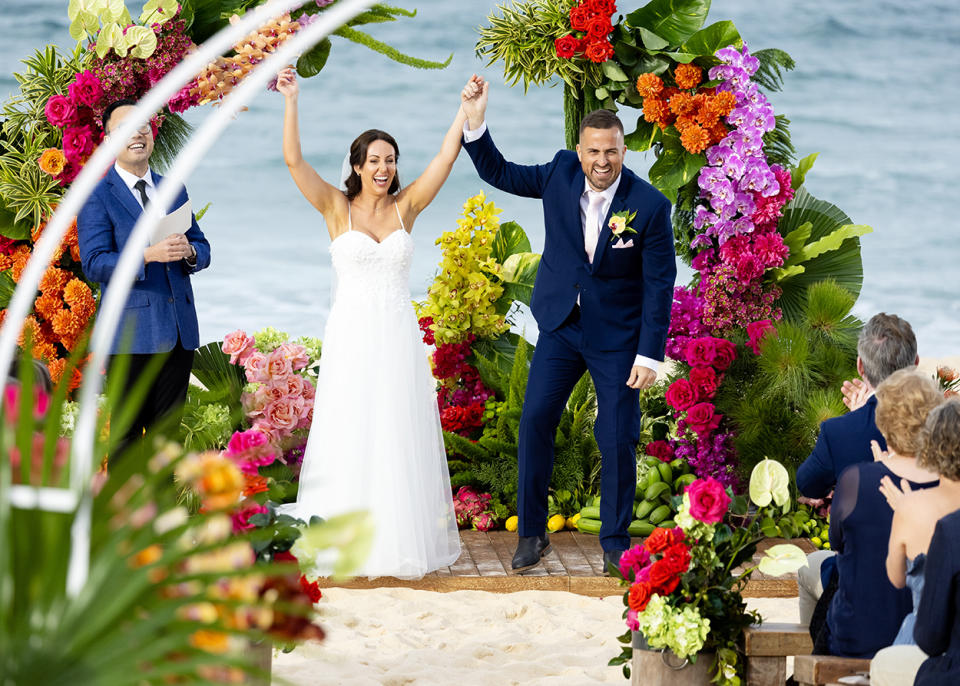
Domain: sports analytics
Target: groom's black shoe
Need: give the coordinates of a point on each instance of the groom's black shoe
(611, 557)
(529, 551)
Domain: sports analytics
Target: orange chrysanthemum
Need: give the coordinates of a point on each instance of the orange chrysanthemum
(75, 253)
(65, 324)
(54, 280)
(717, 133)
(52, 161)
(687, 75)
(695, 139)
(707, 116)
(254, 484)
(37, 230)
(48, 305)
(649, 85)
(78, 295)
(210, 641)
(5, 263)
(685, 122)
(681, 104)
(655, 110)
(57, 366)
(723, 103)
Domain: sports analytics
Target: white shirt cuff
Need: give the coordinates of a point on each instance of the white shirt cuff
(642, 361)
(474, 135)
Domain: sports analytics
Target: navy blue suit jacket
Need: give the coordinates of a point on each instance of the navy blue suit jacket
(843, 441)
(937, 631)
(626, 293)
(160, 306)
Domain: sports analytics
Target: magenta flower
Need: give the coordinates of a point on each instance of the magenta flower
(86, 89)
(60, 111)
(708, 500)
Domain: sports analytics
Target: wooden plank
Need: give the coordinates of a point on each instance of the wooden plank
(777, 638)
(505, 547)
(551, 561)
(590, 548)
(572, 558)
(766, 671)
(823, 669)
(482, 553)
(464, 565)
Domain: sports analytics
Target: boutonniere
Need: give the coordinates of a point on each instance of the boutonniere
(620, 224)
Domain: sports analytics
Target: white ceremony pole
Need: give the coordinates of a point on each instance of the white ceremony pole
(131, 256)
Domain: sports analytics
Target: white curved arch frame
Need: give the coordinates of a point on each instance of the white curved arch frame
(78, 496)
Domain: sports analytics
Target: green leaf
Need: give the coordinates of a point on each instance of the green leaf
(510, 240)
(519, 274)
(796, 239)
(799, 173)
(11, 228)
(7, 287)
(643, 137)
(673, 20)
(613, 71)
(311, 62)
(651, 41)
(497, 356)
(674, 166)
(708, 40)
(828, 243)
(784, 273)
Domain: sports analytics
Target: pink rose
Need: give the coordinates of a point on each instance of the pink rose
(681, 394)
(250, 441)
(278, 365)
(725, 354)
(238, 345)
(297, 354)
(309, 390)
(708, 500)
(291, 385)
(255, 367)
(701, 351)
(632, 622)
(662, 450)
(241, 518)
(757, 331)
(307, 418)
(703, 418)
(705, 380)
(86, 89)
(60, 111)
(77, 143)
(284, 414)
(633, 560)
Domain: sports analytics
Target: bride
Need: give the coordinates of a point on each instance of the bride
(375, 443)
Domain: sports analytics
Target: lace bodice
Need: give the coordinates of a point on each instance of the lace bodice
(372, 272)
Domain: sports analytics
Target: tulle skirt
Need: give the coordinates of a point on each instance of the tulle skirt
(376, 443)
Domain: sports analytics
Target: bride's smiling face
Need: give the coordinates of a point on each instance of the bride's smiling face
(379, 169)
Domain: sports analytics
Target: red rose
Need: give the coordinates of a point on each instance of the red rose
(661, 577)
(599, 27)
(726, 353)
(77, 143)
(60, 111)
(677, 557)
(705, 380)
(566, 47)
(670, 585)
(311, 588)
(701, 351)
(658, 541)
(703, 418)
(604, 7)
(639, 596)
(580, 16)
(598, 51)
(681, 394)
(662, 450)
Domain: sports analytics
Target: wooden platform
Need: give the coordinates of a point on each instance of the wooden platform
(575, 565)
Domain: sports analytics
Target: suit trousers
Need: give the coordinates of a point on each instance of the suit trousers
(560, 359)
(165, 396)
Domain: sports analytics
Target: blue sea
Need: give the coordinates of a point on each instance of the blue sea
(875, 92)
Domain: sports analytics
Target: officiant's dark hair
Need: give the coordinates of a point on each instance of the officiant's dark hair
(601, 119)
(358, 155)
(116, 104)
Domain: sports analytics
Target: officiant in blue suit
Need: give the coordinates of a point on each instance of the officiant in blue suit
(159, 317)
(602, 302)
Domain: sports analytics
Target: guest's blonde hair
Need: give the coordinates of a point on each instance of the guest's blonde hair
(904, 399)
(941, 441)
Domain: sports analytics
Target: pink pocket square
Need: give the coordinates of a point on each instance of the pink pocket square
(623, 244)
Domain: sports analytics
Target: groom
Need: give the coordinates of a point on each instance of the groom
(602, 304)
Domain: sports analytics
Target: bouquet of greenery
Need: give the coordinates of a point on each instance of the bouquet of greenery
(684, 584)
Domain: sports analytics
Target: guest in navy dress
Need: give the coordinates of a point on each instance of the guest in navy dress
(938, 619)
(866, 611)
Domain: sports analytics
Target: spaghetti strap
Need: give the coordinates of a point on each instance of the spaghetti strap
(349, 218)
(397, 205)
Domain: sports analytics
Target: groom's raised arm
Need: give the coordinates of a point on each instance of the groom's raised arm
(518, 179)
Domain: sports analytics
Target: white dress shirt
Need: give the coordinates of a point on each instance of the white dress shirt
(131, 179)
(471, 135)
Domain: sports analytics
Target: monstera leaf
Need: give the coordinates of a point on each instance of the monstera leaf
(672, 20)
(831, 251)
(510, 240)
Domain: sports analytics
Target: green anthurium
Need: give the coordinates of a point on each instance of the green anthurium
(782, 559)
(158, 12)
(111, 37)
(142, 41)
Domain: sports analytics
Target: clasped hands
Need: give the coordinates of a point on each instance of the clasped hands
(172, 248)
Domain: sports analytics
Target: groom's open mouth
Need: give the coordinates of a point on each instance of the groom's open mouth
(603, 172)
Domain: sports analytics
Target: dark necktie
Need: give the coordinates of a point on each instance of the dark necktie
(141, 186)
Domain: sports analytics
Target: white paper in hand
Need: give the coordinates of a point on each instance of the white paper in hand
(178, 221)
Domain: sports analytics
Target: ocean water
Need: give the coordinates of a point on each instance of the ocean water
(874, 92)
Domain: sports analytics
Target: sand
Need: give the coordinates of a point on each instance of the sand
(404, 637)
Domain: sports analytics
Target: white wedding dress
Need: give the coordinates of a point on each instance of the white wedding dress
(375, 443)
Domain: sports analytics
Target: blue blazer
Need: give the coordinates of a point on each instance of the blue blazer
(843, 441)
(160, 306)
(627, 293)
(937, 631)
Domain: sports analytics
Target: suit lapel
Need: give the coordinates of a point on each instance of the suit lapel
(618, 204)
(123, 194)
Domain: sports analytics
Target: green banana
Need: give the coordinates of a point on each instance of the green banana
(667, 524)
(666, 473)
(683, 481)
(590, 512)
(640, 528)
(659, 514)
(644, 508)
(654, 491)
(588, 526)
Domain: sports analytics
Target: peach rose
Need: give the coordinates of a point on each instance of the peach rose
(291, 385)
(239, 346)
(297, 354)
(284, 414)
(256, 368)
(278, 365)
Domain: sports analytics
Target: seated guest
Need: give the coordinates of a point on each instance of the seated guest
(886, 344)
(937, 631)
(914, 522)
(865, 612)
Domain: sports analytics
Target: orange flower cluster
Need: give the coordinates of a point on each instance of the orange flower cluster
(52, 161)
(695, 112)
(220, 77)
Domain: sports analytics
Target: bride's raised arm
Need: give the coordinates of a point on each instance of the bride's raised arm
(319, 193)
(424, 189)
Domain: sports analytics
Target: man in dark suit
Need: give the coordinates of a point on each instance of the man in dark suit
(602, 303)
(886, 344)
(159, 317)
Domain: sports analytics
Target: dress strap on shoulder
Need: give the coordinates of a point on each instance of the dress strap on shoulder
(399, 216)
(349, 218)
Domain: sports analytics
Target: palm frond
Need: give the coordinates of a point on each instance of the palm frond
(773, 65)
(777, 145)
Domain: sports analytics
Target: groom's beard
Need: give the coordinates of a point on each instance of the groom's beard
(602, 182)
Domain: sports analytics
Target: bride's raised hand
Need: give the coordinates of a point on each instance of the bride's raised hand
(287, 82)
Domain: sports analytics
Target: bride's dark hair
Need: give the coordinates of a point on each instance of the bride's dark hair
(358, 155)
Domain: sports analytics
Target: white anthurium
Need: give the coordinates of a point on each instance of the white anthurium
(111, 36)
(142, 41)
(785, 558)
(158, 12)
(769, 481)
(87, 15)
